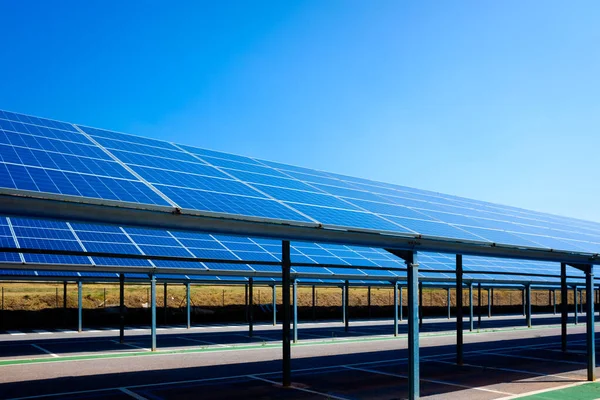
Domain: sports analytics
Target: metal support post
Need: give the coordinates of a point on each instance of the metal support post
(554, 300)
(471, 306)
(564, 306)
(165, 303)
(528, 308)
(346, 305)
(295, 290)
(420, 304)
(250, 306)
(285, 294)
(448, 301)
(489, 291)
(121, 308)
(590, 334)
(524, 302)
(413, 325)
(459, 310)
(274, 305)
(401, 309)
(79, 307)
(314, 302)
(369, 300)
(395, 308)
(153, 310)
(575, 301)
(188, 305)
(479, 305)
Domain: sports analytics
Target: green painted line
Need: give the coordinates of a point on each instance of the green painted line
(587, 391)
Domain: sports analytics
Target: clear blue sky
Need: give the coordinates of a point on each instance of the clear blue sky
(493, 100)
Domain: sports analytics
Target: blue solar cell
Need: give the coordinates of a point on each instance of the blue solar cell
(135, 161)
(155, 240)
(101, 133)
(435, 229)
(297, 196)
(354, 219)
(165, 251)
(55, 259)
(218, 154)
(9, 257)
(17, 272)
(191, 181)
(121, 262)
(228, 267)
(260, 179)
(115, 248)
(501, 237)
(225, 203)
(233, 165)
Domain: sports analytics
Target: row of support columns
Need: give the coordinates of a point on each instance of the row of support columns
(414, 289)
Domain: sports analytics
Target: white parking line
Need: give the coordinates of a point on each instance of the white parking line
(40, 348)
(203, 341)
(41, 332)
(15, 333)
(131, 345)
(325, 395)
(532, 358)
(374, 371)
(130, 393)
(519, 371)
(543, 391)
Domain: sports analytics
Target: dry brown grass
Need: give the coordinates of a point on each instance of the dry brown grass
(37, 296)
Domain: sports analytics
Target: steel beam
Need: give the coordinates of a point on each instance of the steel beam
(413, 325)
(153, 311)
(79, 307)
(564, 306)
(459, 309)
(395, 308)
(121, 308)
(188, 305)
(295, 290)
(285, 294)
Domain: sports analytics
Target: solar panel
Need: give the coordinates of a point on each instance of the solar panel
(59, 235)
(47, 156)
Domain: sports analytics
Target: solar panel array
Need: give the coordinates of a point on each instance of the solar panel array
(57, 235)
(42, 155)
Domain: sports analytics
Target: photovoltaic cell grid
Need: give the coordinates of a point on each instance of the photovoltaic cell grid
(57, 235)
(48, 156)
